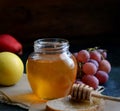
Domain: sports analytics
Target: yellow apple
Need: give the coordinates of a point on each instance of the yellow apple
(11, 68)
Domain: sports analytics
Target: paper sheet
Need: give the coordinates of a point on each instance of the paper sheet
(19, 94)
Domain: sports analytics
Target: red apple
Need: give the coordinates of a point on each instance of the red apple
(9, 43)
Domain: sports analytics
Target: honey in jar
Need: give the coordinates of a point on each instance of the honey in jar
(51, 69)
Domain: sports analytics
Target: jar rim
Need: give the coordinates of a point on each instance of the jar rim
(51, 40)
(48, 44)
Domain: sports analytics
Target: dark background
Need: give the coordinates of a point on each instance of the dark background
(84, 23)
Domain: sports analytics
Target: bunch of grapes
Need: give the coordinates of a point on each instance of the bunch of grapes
(93, 66)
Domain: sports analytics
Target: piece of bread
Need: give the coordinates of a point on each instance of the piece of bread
(67, 104)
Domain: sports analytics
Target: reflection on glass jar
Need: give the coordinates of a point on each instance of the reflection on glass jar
(51, 69)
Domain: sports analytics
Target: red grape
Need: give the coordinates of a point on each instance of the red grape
(94, 62)
(93, 67)
(95, 55)
(103, 53)
(75, 54)
(78, 81)
(90, 80)
(89, 68)
(102, 76)
(83, 56)
(105, 65)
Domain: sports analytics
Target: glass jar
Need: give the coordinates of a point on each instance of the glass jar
(51, 69)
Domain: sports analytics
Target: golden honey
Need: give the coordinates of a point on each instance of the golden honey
(51, 75)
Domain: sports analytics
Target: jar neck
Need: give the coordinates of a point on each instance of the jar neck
(51, 45)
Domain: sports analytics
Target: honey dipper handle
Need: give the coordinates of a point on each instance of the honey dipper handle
(105, 97)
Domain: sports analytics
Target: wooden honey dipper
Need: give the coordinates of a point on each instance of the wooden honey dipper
(85, 92)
